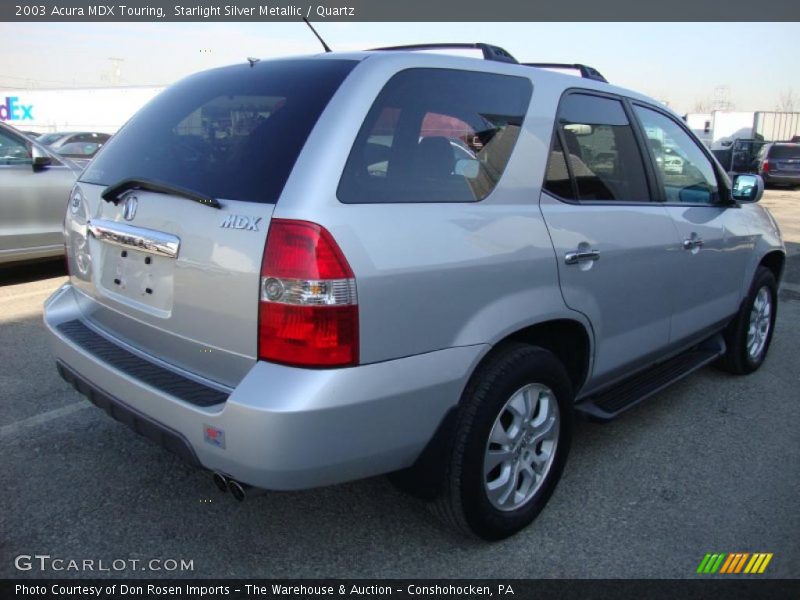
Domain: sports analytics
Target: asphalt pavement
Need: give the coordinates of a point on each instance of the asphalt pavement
(712, 464)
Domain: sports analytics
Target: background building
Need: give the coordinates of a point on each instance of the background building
(102, 110)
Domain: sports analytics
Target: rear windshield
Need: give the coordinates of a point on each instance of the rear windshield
(785, 152)
(232, 133)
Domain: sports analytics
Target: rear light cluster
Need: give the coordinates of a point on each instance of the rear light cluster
(765, 166)
(308, 309)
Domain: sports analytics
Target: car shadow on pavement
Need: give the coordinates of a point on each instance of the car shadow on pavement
(33, 271)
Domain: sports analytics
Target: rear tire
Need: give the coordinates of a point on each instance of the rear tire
(510, 443)
(749, 335)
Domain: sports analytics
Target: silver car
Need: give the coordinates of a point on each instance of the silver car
(282, 272)
(34, 188)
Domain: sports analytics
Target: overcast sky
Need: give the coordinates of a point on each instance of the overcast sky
(681, 63)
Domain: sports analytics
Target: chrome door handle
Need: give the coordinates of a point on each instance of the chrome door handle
(692, 243)
(573, 258)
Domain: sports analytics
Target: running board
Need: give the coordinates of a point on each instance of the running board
(610, 403)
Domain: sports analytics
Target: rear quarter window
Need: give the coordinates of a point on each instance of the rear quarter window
(232, 133)
(436, 135)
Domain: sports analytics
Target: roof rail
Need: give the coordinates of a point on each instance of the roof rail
(585, 71)
(489, 52)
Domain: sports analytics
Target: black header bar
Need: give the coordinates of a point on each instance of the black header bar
(400, 10)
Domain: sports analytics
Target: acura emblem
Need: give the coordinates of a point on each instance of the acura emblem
(129, 208)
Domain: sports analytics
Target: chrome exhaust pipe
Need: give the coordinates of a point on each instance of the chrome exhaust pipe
(241, 490)
(220, 481)
(236, 489)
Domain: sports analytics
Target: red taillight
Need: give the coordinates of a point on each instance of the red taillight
(308, 310)
(765, 166)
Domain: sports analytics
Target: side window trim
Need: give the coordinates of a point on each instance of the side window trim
(653, 188)
(722, 186)
(562, 143)
(654, 180)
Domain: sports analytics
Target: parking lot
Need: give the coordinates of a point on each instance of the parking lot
(710, 465)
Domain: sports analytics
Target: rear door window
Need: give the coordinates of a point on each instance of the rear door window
(436, 135)
(232, 133)
(604, 159)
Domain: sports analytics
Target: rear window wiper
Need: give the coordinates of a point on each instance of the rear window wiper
(113, 192)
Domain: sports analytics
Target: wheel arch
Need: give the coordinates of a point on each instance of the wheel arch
(568, 339)
(775, 261)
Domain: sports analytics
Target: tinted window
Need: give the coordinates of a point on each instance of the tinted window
(436, 135)
(784, 151)
(97, 138)
(79, 149)
(604, 158)
(557, 179)
(686, 174)
(13, 150)
(230, 133)
(49, 138)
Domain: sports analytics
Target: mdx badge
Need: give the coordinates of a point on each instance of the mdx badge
(241, 222)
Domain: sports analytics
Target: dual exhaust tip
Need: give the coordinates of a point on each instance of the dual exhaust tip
(226, 484)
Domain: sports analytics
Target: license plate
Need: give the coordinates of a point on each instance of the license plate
(138, 279)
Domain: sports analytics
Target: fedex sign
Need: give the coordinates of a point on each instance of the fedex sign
(11, 110)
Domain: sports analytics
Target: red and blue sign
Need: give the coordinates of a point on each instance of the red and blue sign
(214, 436)
(12, 110)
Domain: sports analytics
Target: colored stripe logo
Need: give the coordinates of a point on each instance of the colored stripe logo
(735, 562)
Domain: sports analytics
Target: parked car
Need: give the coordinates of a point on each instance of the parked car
(255, 296)
(779, 163)
(53, 137)
(58, 140)
(673, 162)
(34, 189)
(80, 152)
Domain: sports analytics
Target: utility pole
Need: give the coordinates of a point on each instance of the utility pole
(116, 69)
(722, 98)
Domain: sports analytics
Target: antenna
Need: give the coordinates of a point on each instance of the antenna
(321, 41)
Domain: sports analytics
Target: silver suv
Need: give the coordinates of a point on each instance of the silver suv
(301, 272)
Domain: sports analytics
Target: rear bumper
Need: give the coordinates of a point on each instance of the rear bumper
(788, 179)
(281, 428)
(141, 424)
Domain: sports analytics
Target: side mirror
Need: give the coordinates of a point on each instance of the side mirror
(40, 158)
(747, 187)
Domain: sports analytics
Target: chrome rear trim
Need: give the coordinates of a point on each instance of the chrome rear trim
(137, 238)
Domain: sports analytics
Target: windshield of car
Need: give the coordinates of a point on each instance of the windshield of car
(79, 149)
(785, 151)
(232, 133)
(49, 138)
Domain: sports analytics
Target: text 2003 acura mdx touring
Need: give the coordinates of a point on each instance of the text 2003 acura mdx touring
(306, 271)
